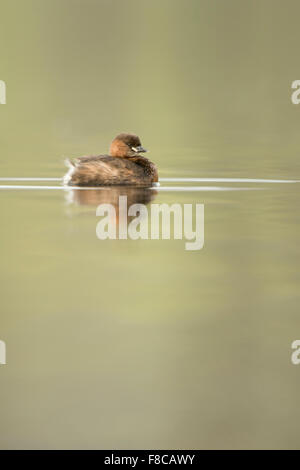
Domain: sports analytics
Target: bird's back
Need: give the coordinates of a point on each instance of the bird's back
(104, 170)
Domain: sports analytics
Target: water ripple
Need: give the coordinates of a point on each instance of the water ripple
(175, 180)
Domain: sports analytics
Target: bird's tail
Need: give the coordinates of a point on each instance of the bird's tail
(69, 163)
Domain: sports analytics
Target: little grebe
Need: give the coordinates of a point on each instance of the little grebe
(123, 166)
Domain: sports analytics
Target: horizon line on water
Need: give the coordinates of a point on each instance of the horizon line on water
(155, 188)
(202, 188)
(172, 180)
(226, 180)
(17, 178)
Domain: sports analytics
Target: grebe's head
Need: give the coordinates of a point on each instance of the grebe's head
(126, 145)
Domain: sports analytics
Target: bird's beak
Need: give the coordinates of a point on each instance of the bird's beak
(139, 149)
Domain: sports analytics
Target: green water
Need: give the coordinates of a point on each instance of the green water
(142, 344)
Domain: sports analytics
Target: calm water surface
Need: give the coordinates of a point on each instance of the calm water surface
(141, 342)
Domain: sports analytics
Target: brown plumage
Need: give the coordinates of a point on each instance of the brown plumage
(124, 166)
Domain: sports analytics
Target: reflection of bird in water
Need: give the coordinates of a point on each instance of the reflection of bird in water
(95, 197)
(123, 166)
